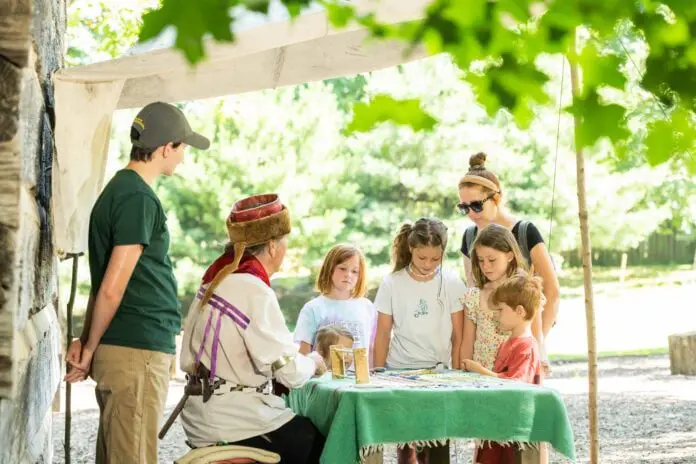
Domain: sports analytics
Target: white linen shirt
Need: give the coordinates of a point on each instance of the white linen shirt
(249, 342)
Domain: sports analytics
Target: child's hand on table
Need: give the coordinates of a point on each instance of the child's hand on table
(319, 362)
(471, 366)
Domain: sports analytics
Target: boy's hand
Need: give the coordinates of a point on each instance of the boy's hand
(319, 361)
(79, 360)
(74, 352)
(472, 366)
(546, 367)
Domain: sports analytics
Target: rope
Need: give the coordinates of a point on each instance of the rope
(558, 138)
(558, 128)
(640, 74)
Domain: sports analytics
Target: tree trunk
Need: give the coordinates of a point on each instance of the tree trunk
(624, 267)
(682, 354)
(587, 274)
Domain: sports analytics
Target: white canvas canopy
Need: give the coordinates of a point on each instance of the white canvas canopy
(265, 55)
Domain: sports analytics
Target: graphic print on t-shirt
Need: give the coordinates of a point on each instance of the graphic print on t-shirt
(422, 309)
(354, 327)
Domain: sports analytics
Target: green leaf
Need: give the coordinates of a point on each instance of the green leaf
(339, 15)
(690, 162)
(659, 143)
(599, 69)
(154, 23)
(512, 85)
(295, 6)
(378, 30)
(464, 13)
(384, 108)
(563, 16)
(598, 120)
(670, 73)
(258, 6)
(672, 136)
(676, 33)
(518, 10)
(691, 54)
(192, 21)
(686, 8)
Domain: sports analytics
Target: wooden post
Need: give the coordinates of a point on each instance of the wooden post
(587, 273)
(69, 338)
(682, 353)
(624, 265)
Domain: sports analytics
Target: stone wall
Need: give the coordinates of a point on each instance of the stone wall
(31, 45)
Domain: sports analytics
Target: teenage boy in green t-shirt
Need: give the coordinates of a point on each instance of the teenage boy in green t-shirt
(128, 341)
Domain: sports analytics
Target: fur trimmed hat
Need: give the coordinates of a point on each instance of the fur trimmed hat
(258, 219)
(253, 221)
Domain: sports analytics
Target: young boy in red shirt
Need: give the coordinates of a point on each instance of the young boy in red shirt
(517, 301)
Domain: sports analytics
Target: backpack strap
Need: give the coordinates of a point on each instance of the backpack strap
(522, 241)
(469, 236)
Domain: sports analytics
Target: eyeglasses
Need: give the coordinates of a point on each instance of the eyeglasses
(475, 206)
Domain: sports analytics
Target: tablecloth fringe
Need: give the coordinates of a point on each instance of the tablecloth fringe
(368, 450)
(521, 445)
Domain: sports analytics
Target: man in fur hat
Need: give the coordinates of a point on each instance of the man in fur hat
(236, 342)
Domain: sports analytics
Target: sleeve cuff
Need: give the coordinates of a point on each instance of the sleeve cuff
(296, 372)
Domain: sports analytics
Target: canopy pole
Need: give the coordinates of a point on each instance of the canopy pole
(587, 271)
(69, 338)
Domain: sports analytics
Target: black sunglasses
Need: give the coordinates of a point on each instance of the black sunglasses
(475, 206)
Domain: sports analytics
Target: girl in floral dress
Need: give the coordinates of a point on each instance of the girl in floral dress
(495, 257)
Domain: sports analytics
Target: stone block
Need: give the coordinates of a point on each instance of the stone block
(8, 303)
(31, 109)
(26, 260)
(10, 82)
(25, 420)
(9, 182)
(48, 33)
(15, 22)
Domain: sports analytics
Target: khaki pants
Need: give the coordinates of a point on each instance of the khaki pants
(131, 391)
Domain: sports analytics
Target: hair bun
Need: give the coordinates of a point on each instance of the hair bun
(477, 162)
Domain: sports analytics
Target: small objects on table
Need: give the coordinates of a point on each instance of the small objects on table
(342, 358)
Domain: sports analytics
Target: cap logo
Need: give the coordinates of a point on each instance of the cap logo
(139, 122)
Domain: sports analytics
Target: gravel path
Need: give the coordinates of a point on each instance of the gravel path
(646, 415)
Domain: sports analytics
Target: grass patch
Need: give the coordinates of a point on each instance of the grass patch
(610, 354)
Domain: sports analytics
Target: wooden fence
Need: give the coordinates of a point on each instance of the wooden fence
(657, 249)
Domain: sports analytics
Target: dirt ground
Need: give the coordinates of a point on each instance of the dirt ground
(646, 415)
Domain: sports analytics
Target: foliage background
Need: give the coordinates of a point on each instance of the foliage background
(359, 187)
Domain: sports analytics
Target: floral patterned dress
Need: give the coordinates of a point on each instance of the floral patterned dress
(488, 333)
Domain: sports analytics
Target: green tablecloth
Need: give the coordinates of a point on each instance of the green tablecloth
(427, 408)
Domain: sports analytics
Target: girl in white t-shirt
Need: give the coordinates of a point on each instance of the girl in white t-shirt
(342, 283)
(419, 314)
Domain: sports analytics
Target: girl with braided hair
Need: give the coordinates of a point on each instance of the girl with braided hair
(419, 314)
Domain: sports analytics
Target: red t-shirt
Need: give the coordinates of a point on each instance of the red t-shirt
(518, 358)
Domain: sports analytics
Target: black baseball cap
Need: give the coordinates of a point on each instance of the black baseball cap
(160, 123)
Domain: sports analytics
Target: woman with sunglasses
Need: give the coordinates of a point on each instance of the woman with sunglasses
(481, 198)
